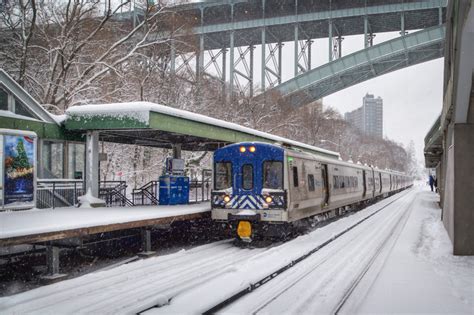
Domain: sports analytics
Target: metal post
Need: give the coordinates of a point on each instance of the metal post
(54, 194)
(146, 243)
(251, 70)
(402, 24)
(224, 70)
(173, 59)
(330, 40)
(280, 45)
(263, 58)
(200, 59)
(339, 46)
(231, 66)
(310, 42)
(440, 15)
(366, 29)
(52, 260)
(296, 61)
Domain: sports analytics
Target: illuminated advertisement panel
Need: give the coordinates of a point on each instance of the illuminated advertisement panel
(19, 171)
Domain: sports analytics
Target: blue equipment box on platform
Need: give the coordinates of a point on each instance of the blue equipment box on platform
(174, 190)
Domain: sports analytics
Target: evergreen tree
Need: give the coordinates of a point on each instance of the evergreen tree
(21, 160)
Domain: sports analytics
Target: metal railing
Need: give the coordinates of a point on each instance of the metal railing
(55, 193)
(114, 193)
(147, 194)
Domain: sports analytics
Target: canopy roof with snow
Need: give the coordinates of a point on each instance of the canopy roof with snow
(150, 124)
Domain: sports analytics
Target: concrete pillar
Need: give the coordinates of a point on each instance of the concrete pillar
(463, 199)
(92, 162)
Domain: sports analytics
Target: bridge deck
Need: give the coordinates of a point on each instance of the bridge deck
(23, 227)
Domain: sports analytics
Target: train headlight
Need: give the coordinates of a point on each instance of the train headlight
(242, 149)
(268, 199)
(226, 198)
(252, 149)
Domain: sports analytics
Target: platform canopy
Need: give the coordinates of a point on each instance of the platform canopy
(149, 124)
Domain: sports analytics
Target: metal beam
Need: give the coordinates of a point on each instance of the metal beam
(360, 66)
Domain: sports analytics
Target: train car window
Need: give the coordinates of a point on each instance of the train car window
(273, 174)
(295, 176)
(222, 175)
(310, 182)
(247, 176)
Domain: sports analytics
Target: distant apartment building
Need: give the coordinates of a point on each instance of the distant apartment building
(369, 117)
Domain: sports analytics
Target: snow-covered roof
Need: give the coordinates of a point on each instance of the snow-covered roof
(140, 111)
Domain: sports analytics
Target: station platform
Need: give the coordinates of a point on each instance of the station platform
(40, 225)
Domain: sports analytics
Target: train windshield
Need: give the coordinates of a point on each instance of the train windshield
(273, 175)
(223, 175)
(247, 177)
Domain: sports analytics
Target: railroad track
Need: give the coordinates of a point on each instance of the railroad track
(241, 301)
(320, 275)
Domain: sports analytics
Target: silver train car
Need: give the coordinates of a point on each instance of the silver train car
(263, 189)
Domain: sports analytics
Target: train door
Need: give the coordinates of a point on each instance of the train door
(364, 182)
(246, 182)
(324, 177)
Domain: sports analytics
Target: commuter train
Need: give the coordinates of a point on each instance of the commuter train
(263, 189)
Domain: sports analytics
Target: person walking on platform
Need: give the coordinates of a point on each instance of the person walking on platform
(431, 182)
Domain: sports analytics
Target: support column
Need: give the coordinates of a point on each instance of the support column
(52, 263)
(146, 243)
(92, 163)
(264, 55)
(224, 72)
(231, 67)
(251, 71)
(172, 59)
(200, 59)
(366, 29)
(440, 15)
(280, 46)
(330, 40)
(296, 60)
(310, 42)
(176, 151)
(402, 24)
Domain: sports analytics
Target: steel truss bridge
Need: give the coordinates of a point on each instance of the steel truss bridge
(226, 33)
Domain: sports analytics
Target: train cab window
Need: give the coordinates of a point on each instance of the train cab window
(295, 176)
(310, 182)
(273, 175)
(247, 177)
(223, 175)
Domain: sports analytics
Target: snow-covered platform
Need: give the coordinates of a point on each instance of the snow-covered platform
(20, 227)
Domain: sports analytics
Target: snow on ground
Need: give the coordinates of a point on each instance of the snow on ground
(414, 272)
(421, 275)
(20, 223)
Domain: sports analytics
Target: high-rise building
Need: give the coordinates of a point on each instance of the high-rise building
(369, 117)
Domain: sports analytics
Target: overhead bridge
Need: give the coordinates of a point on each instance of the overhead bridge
(363, 65)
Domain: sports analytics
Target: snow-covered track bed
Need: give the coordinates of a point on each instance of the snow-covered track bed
(316, 272)
(132, 287)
